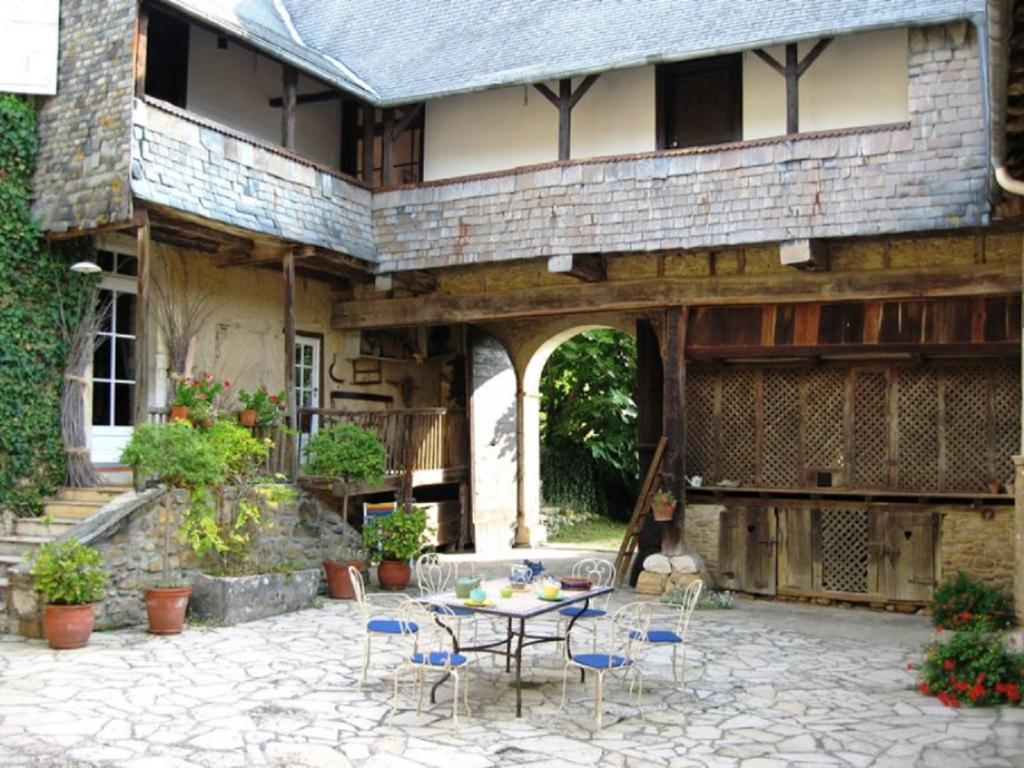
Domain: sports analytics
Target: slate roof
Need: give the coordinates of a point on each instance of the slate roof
(397, 51)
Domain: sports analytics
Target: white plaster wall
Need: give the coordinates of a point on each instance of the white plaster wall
(234, 86)
(859, 80)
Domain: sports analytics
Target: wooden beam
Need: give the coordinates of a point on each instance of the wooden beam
(290, 82)
(405, 121)
(289, 348)
(415, 281)
(369, 121)
(141, 50)
(770, 60)
(790, 286)
(580, 92)
(793, 70)
(588, 267)
(387, 155)
(309, 98)
(565, 101)
(674, 408)
(258, 257)
(142, 331)
(548, 94)
(813, 54)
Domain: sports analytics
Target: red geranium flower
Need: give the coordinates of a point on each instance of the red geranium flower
(227, 383)
(910, 666)
(949, 664)
(923, 688)
(938, 627)
(976, 692)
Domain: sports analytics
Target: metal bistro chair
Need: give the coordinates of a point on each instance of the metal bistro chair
(385, 627)
(676, 637)
(434, 577)
(433, 651)
(623, 654)
(602, 574)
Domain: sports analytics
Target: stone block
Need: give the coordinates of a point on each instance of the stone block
(687, 564)
(649, 583)
(657, 563)
(234, 600)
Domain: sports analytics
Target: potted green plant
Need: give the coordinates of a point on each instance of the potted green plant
(393, 541)
(260, 408)
(179, 456)
(663, 505)
(339, 584)
(195, 399)
(70, 577)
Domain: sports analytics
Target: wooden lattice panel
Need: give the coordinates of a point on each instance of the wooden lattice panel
(844, 550)
(1005, 379)
(823, 418)
(917, 452)
(870, 430)
(966, 401)
(781, 441)
(738, 427)
(700, 424)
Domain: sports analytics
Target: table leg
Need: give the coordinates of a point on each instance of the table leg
(508, 647)
(455, 649)
(568, 631)
(519, 667)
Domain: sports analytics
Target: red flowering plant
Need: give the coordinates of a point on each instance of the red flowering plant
(266, 405)
(973, 669)
(962, 603)
(200, 390)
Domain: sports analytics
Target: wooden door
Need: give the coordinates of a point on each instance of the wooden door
(747, 550)
(700, 102)
(799, 550)
(910, 555)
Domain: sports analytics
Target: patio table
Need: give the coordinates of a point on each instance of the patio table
(517, 609)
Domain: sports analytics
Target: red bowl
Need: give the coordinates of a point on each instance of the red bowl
(576, 583)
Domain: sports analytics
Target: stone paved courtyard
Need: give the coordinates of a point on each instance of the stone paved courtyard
(768, 685)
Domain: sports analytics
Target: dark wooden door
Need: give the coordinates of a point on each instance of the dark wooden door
(799, 550)
(700, 102)
(910, 555)
(747, 550)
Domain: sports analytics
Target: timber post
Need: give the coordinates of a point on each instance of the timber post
(290, 82)
(369, 130)
(290, 460)
(387, 152)
(674, 418)
(792, 71)
(565, 102)
(1018, 537)
(141, 414)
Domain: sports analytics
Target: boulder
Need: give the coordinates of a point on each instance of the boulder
(649, 583)
(657, 564)
(687, 564)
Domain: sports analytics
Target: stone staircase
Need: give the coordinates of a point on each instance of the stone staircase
(24, 536)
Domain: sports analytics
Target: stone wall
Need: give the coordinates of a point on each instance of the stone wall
(982, 548)
(701, 533)
(82, 174)
(185, 162)
(130, 536)
(928, 174)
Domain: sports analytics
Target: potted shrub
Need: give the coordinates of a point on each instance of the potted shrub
(339, 584)
(663, 504)
(393, 541)
(259, 408)
(179, 456)
(194, 399)
(70, 577)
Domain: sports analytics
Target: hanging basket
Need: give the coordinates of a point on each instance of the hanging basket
(663, 513)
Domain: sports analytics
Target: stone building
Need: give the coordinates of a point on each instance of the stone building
(398, 213)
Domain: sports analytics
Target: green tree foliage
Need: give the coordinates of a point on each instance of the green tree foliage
(588, 427)
(32, 353)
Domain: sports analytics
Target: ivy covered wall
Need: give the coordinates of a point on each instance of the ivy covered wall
(31, 348)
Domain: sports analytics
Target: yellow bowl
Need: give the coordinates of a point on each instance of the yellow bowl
(549, 592)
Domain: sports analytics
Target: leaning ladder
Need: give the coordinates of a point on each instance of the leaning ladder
(650, 486)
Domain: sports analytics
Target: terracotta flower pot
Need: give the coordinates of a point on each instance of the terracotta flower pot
(393, 574)
(663, 513)
(179, 412)
(339, 585)
(68, 626)
(247, 418)
(166, 610)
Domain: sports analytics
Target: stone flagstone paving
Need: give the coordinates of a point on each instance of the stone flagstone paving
(768, 685)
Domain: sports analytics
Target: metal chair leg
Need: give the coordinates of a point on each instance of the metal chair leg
(565, 681)
(599, 697)
(455, 701)
(366, 658)
(419, 688)
(394, 700)
(675, 675)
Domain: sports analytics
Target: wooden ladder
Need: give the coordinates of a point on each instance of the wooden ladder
(650, 486)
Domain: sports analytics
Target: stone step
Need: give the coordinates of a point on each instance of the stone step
(101, 493)
(39, 526)
(77, 510)
(16, 546)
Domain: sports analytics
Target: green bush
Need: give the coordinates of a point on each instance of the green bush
(68, 573)
(175, 453)
(962, 603)
(398, 536)
(347, 451)
(973, 668)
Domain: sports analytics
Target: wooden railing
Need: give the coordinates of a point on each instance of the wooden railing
(415, 438)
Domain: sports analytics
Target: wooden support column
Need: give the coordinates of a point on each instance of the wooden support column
(793, 70)
(142, 332)
(141, 51)
(289, 355)
(674, 419)
(290, 80)
(388, 147)
(565, 101)
(369, 130)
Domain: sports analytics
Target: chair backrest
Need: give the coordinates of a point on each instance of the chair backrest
(360, 591)
(599, 571)
(434, 621)
(432, 575)
(690, 597)
(629, 627)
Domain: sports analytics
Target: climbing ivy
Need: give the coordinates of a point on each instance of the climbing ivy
(32, 284)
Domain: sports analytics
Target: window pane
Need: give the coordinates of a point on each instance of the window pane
(100, 404)
(106, 260)
(124, 359)
(307, 356)
(123, 404)
(125, 315)
(104, 309)
(127, 265)
(101, 358)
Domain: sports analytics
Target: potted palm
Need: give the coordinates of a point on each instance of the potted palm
(393, 541)
(70, 577)
(663, 504)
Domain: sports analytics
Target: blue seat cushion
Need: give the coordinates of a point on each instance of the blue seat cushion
(391, 627)
(658, 636)
(583, 613)
(601, 660)
(454, 610)
(440, 659)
